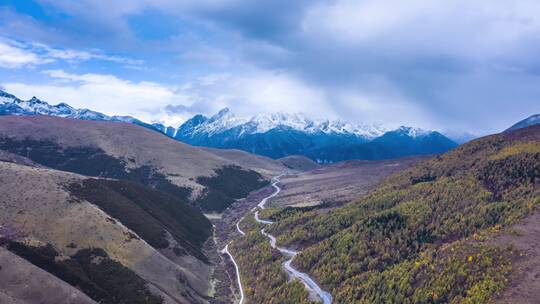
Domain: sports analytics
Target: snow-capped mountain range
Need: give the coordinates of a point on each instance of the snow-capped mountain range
(11, 105)
(274, 135)
(225, 120)
(278, 135)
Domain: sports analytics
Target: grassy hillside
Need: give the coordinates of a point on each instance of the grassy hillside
(299, 162)
(129, 152)
(148, 212)
(262, 164)
(227, 185)
(54, 217)
(424, 235)
(104, 280)
(22, 282)
(89, 161)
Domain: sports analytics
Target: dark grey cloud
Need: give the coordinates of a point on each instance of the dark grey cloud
(271, 20)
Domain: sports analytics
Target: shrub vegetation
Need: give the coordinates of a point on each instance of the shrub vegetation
(148, 212)
(92, 271)
(228, 184)
(414, 239)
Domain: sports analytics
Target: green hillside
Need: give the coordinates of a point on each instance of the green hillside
(424, 235)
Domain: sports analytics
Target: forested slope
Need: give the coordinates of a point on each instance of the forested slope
(424, 235)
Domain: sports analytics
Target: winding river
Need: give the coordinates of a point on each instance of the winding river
(312, 287)
(226, 251)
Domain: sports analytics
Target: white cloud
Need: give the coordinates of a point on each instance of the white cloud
(76, 55)
(248, 94)
(255, 92)
(390, 108)
(261, 91)
(472, 29)
(440, 60)
(14, 57)
(16, 54)
(105, 93)
(271, 91)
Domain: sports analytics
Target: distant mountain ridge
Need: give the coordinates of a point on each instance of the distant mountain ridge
(12, 105)
(273, 135)
(527, 122)
(280, 135)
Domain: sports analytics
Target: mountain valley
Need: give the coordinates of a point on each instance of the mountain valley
(429, 234)
(269, 152)
(116, 212)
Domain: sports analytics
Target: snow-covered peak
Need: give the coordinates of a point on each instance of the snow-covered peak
(262, 123)
(265, 122)
(343, 127)
(222, 121)
(459, 137)
(34, 99)
(14, 106)
(535, 119)
(37, 106)
(413, 132)
(302, 122)
(224, 113)
(527, 122)
(6, 98)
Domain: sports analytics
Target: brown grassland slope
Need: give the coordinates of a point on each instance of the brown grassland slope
(23, 282)
(129, 152)
(87, 241)
(299, 162)
(265, 165)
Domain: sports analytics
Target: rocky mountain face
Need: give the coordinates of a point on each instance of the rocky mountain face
(325, 141)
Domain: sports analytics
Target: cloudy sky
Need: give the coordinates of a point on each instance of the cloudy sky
(454, 64)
